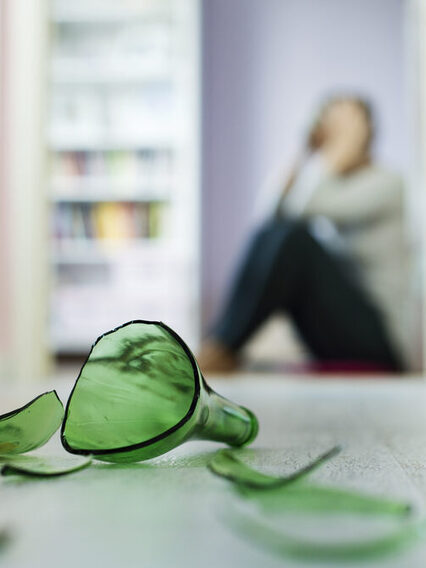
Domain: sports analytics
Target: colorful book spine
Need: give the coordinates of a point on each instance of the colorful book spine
(109, 220)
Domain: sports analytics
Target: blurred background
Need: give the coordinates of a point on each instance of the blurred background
(137, 136)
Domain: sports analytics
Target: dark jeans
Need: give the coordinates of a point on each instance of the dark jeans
(287, 269)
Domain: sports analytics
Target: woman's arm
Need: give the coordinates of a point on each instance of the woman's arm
(288, 184)
(314, 142)
(367, 195)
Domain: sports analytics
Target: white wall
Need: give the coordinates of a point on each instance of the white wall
(23, 57)
(266, 64)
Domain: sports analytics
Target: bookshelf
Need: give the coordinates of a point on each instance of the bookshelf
(123, 167)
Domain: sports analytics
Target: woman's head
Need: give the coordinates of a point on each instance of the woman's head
(341, 117)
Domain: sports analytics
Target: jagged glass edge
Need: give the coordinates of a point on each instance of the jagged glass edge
(166, 433)
(17, 411)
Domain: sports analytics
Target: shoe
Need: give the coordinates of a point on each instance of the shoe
(216, 358)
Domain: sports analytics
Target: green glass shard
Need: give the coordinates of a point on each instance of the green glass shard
(226, 464)
(32, 425)
(272, 539)
(303, 496)
(293, 492)
(44, 466)
(140, 393)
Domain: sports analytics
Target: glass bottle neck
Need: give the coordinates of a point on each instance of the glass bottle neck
(224, 421)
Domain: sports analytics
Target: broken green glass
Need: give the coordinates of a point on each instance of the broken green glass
(226, 464)
(32, 425)
(293, 492)
(303, 497)
(141, 393)
(28, 428)
(272, 539)
(44, 466)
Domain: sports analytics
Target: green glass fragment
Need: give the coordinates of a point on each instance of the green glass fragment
(141, 393)
(303, 496)
(262, 534)
(226, 464)
(32, 425)
(293, 492)
(44, 466)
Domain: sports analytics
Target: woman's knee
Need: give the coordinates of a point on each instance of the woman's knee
(276, 228)
(277, 239)
(297, 235)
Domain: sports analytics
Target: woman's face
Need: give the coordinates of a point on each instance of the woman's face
(345, 120)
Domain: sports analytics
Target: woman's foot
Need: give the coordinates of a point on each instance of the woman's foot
(214, 357)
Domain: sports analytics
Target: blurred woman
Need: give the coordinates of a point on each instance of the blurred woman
(331, 254)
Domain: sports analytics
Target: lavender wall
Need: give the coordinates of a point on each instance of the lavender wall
(265, 64)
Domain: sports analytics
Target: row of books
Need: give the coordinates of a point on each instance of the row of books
(139, 165)
(109, 220)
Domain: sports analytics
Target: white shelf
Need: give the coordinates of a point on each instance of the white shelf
(70, 144)
(71, 345)
(71, 14)
(103, 250)
(91, 189)
(108, 198)
(77, 71)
